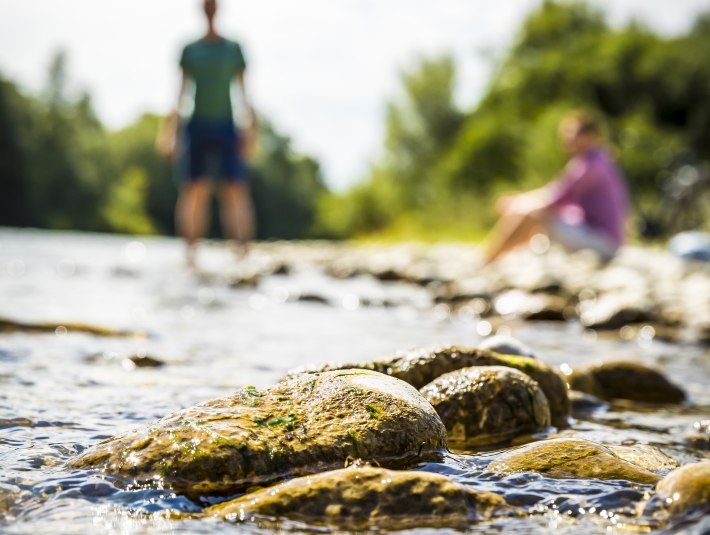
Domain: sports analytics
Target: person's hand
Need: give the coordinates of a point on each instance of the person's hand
(166, 141)
(246, 143)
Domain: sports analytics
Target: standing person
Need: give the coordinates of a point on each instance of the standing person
(585, 208)
(213, 146)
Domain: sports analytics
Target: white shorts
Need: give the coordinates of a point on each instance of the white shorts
(577, 237)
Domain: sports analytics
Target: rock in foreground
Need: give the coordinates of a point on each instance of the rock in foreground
(571, 458)
(626, 380)
(360, 498)
(307, 424)
(684, 490)
(487, 405)
(419, 367)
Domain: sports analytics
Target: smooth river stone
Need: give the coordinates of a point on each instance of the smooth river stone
(304, 425)
(487, 405)
(361, 498)
(571, 458)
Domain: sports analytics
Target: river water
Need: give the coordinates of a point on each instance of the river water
(62, 391)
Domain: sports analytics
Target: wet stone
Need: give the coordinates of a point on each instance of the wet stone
(684, 490)
(506, 345)
(571, 458)
(611, 313)
(419, 367)
(307, 424)
(487, 405)
(145, 361)
(360, 498)
(583, 402)
(626, 380)
(10, 326)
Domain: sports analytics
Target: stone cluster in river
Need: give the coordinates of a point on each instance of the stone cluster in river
(642, 292)
(398, 412)
(421, 366)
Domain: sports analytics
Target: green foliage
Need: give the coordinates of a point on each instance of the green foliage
(60, 169)
(126, 210)
(132, 148)
(486, 151)
(445, 167)
(286, 188)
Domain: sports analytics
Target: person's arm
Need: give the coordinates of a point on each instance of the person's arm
(579, 177)
(251, 126)
(167, 137)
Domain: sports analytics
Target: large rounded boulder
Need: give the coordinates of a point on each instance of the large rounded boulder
(362, 498)
(419, 367)
(487, 405)
(626, 380)
(571, 458)
(307, 424)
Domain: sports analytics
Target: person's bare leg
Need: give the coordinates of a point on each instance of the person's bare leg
(511, 232)
(237, 214)
(191, 215)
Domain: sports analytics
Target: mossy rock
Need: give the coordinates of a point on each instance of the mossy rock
(626, 380)
(362, 498)
(684, 490)
(487, 405)
(419, 367)
(304, 425)
(571, 458)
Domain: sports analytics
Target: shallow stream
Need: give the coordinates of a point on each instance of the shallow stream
(62, 391)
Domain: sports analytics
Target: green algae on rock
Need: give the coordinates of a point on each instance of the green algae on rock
(571, 458)
(365, 497)
(626, 380)
(303, 425)
(419, 367)
(487, 405)
(686, 489)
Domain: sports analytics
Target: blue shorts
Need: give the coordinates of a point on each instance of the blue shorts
(211, 151)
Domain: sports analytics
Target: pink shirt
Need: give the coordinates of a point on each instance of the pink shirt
(592, 191)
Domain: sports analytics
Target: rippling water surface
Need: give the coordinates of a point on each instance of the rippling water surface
(62, 391)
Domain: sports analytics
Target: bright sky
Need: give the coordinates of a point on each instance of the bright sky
(321, 70)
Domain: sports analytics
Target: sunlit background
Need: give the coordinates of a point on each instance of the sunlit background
(321, 70)
(399, 120)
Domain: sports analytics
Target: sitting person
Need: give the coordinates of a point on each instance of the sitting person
(585, 208)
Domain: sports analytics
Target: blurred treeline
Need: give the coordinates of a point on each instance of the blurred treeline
(442, 166)
(60, 168)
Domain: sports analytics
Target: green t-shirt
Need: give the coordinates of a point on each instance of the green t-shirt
(212, 65)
